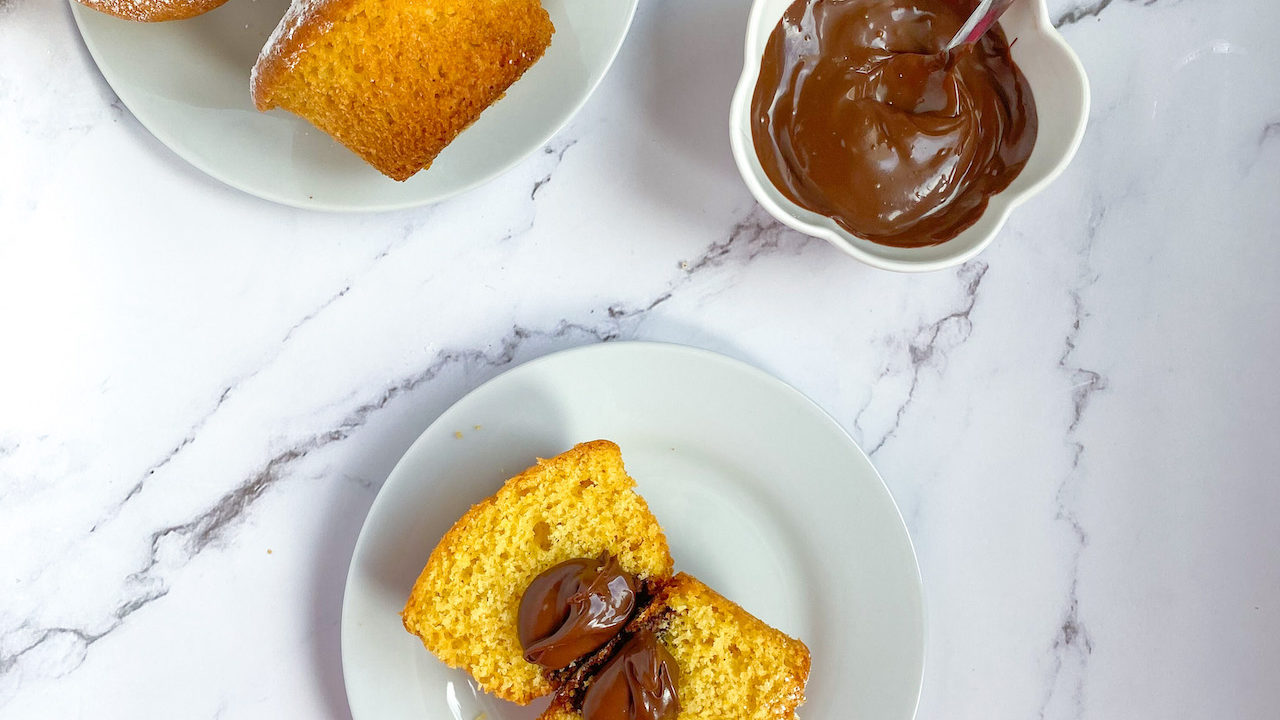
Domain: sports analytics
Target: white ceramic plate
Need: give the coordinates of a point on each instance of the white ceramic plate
(1061, 91)
(188, 83)
(762, 495)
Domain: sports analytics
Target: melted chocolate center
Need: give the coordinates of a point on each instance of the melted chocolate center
(573, 609)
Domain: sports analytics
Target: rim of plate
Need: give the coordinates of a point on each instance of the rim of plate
(675, 349)
(178, 148)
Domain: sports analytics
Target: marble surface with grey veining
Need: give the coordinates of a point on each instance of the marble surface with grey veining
(201, 392)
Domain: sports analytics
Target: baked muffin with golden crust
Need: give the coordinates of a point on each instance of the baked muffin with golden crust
(397, 80)
(153, 10)
(578, 504)
(512, 595)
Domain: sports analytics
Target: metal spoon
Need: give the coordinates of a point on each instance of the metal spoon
(982, 18)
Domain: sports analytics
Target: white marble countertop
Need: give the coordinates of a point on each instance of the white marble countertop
(201, 392)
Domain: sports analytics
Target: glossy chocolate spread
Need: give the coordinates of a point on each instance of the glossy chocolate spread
(573, 609)
(860, 115)
(638, 683)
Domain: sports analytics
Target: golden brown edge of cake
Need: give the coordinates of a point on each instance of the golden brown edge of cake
(298, 30)
(447, 541)
(137, 11)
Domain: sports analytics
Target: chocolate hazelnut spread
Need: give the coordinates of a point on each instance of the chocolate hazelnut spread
(860, 115)
(638, 683)
(573, 609)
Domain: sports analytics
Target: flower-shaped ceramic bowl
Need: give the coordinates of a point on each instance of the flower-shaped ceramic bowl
(1061, 92)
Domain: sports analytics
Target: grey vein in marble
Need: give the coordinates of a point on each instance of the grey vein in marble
(1095, 8)
(555, 150)
(558, 149)
(206, 527)
(926, 345)
(186, 440)
(81, 638)
(1080, 12)
(755, 235)
(176, 545)
(325, 305)
(1269, 131)
(1072, 644)
(226, 393)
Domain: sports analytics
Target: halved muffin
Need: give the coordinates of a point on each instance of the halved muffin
(397, 80)
(579, 504)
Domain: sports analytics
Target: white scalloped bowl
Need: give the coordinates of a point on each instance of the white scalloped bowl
(1061, 92)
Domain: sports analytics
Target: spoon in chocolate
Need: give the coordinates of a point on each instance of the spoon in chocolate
(919, 79)
(980, 20)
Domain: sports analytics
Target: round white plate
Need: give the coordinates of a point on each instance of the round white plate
(762, 496)
(188, 83)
